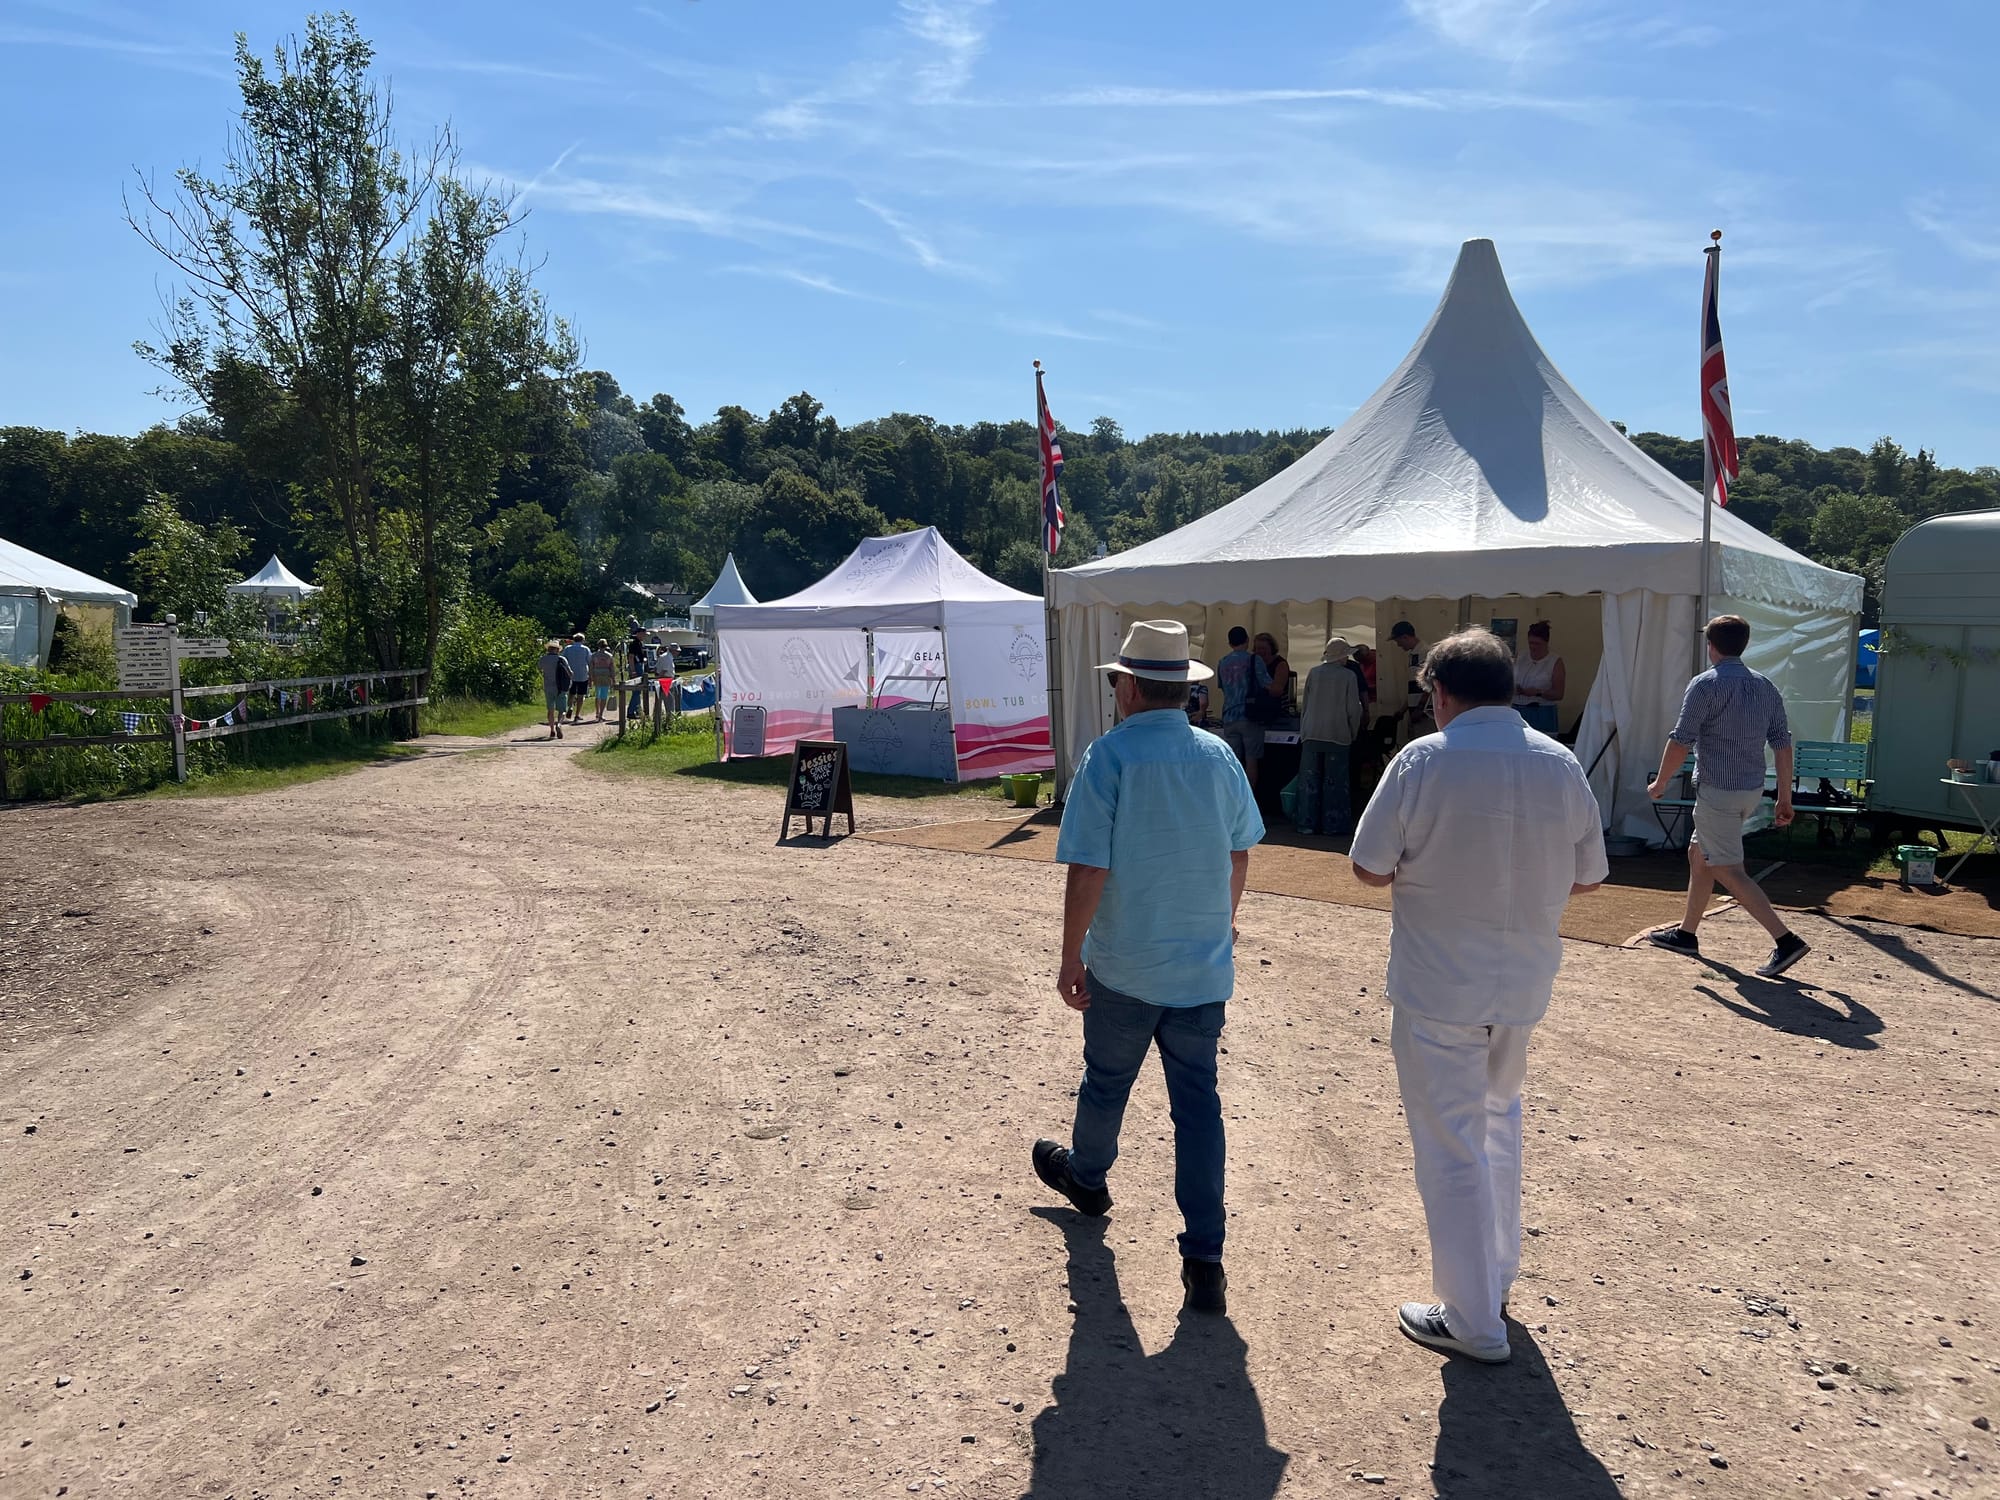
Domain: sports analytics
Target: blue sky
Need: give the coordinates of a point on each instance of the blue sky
(1197, 216)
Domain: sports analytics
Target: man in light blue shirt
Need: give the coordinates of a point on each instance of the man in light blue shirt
(1157, 830)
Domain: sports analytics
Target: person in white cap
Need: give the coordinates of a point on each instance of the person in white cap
(1482, 832)
(1156, 831)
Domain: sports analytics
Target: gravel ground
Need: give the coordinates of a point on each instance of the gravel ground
(483, 1125)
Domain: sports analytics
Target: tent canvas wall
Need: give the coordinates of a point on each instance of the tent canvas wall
(1478, 476)
(906, 607)
(34, 590)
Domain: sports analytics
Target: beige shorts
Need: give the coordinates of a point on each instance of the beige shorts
(1719, 816)
(1245, 738)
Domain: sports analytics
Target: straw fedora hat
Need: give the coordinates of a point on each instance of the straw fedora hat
(1158, 649)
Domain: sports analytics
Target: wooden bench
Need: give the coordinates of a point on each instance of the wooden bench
(1830, 781)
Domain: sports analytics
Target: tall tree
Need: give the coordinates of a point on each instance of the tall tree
(357, 293)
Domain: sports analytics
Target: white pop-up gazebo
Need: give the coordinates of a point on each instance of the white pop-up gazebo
(728, 588)
(35, 589)
(903, 622)
(1477, 486)
(274, 581)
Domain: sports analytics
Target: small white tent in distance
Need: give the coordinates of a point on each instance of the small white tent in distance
(728, 588)
(1477, 485)
(274, 581)
(904, 620)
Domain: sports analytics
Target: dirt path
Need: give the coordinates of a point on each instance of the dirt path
(483, 1125)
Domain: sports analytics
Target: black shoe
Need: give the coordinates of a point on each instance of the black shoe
(1675, 940)
(1791, 948)
(1052, 1166)
(1206, 1286)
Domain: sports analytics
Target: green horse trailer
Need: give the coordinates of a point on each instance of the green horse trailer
(1937, 686)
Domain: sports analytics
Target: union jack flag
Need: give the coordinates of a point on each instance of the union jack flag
(1052, 465)
(1718, 428)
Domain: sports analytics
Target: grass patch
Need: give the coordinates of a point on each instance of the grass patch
(289, 764)
(473, 716)
(688, 749)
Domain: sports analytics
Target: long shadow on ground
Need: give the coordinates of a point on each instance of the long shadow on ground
(1504, 1433)
(1184, 1422)
(1797, 1009)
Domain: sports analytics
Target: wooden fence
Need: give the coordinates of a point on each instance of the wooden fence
(179, 731)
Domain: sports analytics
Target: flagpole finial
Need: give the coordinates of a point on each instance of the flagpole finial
(1038, 365)
(1716, 235)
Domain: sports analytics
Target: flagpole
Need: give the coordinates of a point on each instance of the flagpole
(1707, 464)
(1051, 630)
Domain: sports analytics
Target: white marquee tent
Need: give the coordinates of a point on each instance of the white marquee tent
(904, 619)
(35, 589)
(274, 581)
(1477, 484)
(728, 588)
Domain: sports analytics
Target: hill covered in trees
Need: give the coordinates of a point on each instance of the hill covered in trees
(598, 490)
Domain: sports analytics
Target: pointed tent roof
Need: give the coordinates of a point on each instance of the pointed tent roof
(25, 572)
(728, 588)
(1476, 469)
(276, 580)
(911, 580)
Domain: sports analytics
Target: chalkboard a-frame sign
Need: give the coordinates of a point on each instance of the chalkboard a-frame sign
(819, 786)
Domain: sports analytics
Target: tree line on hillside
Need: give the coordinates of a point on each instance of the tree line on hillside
(378, 392)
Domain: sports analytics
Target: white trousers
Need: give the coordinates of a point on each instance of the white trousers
(1462, 1099)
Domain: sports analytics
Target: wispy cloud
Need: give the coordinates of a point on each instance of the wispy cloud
(499, 69)
(1126, 320)
(1978, 242)
(1045, 330)
(915, 241)
(812, 280)
(955, 31)
(210, 62)
(1125, 96)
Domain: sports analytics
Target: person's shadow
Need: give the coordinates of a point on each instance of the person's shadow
(1797, 1010)
(1184, 1422)
(1504, 1433)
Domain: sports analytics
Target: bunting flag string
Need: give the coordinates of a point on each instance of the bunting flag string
(39, 702)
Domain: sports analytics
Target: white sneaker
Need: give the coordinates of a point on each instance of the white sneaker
(1424, 1322)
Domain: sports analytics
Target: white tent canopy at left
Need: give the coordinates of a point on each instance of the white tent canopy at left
(903, 621)
(274, 581)
(34, 590)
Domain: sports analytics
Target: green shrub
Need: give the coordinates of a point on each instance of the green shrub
(488, 654)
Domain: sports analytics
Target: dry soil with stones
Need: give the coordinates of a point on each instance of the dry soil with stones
(487, 1125)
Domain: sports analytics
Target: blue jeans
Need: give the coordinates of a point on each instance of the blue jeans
(1118, 1031)
(1542, 716)
(1322, 805)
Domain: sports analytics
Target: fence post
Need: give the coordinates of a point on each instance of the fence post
(176, 705)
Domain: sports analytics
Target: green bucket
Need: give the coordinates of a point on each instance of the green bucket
(1918, 863)
(1025, 787)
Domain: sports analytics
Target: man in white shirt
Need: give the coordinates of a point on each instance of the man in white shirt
(1482, 832)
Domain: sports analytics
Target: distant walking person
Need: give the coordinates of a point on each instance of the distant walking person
(1330, 717)
(1728, 716)
(577, 654)
(555, 686)
(1242, 675)
(1157, 834)
(603, 672)
(1482, 832)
